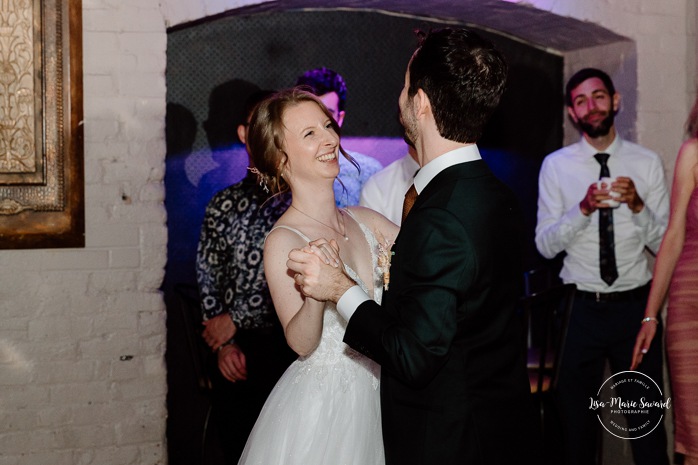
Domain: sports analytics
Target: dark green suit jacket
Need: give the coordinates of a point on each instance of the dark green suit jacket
(454, 388)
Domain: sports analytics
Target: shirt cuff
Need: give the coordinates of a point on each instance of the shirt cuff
(350, 301)
(577, 219)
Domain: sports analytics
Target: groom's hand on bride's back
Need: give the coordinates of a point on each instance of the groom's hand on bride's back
(318, 270)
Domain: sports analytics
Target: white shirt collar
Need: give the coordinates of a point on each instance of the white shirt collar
(446, 160)
(612, 149)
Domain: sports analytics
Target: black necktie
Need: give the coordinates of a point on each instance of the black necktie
(607, 254)
(410, 197)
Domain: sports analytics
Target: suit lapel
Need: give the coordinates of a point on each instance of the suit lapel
(443, 180)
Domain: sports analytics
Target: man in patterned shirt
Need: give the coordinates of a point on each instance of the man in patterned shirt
(331, 88)
(240, 321)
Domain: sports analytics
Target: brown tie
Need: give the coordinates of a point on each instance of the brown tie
(410, 197)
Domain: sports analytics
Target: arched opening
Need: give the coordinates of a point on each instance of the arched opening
(212, 62)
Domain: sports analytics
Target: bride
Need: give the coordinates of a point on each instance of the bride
(325, 408)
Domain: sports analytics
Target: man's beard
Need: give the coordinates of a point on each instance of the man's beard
(406, 138)
(600, 129)
(409, 128)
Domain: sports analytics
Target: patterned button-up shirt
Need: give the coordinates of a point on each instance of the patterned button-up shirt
(229, 267)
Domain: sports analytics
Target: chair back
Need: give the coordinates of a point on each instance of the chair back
(546, 314)
(189, 306)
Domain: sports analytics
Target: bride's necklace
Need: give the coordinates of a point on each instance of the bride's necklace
(341, 215)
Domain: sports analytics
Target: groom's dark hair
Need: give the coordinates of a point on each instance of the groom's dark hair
(463, 76)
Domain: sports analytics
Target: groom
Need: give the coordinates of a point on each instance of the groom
(454, 388)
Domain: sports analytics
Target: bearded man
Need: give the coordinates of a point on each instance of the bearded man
(603, 227)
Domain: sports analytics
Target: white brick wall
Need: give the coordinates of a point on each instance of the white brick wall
(82, 331)
(665, 36)
(70, 320)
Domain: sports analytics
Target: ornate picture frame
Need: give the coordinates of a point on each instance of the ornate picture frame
(41, 117)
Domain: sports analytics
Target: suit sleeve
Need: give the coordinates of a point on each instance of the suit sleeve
(412, 335)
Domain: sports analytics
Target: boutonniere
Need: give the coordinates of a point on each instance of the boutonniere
(385, 254)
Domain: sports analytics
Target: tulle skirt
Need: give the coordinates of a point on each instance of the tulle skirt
(320, 414)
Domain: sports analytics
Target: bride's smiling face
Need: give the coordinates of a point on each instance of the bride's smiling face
(310, 142)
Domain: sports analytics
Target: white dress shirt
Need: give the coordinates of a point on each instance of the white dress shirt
(352, 179)
(355, 296)
(385, 191)
(564, 179)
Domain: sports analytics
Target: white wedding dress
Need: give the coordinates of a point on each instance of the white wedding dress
(325, 409)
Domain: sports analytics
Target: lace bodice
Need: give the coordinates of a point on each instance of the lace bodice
(332, 353)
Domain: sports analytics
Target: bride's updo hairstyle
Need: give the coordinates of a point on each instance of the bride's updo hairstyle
(266, 135)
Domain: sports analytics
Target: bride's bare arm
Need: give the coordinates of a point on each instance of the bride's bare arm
(300, 316)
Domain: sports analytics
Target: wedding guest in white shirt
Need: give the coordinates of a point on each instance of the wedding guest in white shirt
(385, 191)
(605, 258)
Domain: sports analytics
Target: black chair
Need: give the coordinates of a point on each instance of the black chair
(189, 307)
(546, 314)
(539, 279)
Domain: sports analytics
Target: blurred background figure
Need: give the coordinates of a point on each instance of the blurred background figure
(676, 272)
(605, 258)
(385, 191)
(226, 111)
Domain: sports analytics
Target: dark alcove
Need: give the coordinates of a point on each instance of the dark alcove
(213, 65)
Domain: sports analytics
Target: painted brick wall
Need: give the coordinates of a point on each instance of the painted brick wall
(665, 33)
(82, 331)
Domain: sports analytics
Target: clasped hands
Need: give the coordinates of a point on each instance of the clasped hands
(218, 331)
(595, 197)
(318, 270)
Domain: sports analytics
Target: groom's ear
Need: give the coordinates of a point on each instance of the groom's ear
(422, 105)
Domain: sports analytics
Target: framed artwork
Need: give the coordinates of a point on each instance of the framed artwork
(41, 117)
